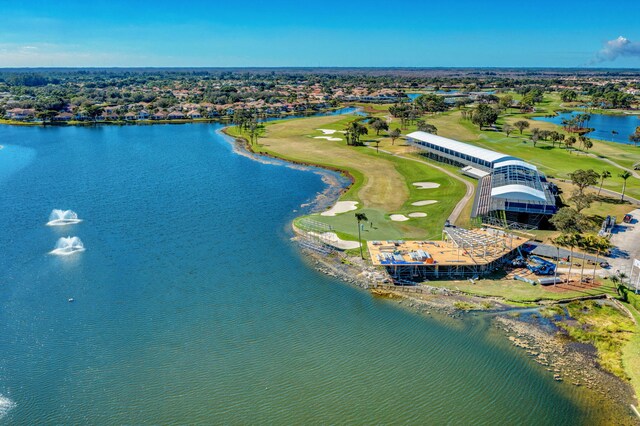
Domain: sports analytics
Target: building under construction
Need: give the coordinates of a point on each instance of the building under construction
(461, 253)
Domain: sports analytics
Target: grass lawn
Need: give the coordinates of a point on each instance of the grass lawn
(630, 357)
(518, 291)
(383, 182)
(599, 209)
(608, 329)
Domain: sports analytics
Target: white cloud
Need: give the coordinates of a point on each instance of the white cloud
(56, 55)
(619, 47)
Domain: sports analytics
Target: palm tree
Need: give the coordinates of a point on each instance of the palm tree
(568, 240)
(599, 244)
(615, 281)
(604, 175)
(570, 141)
(624, 175)
(584, 244)
(361, 217)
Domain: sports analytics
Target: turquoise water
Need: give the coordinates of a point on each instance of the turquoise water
(603, 125)
(192, 305)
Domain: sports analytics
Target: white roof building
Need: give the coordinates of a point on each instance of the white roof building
(506, 183)
(464, 152)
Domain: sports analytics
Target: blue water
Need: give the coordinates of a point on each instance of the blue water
(603, 124)
(193, 306)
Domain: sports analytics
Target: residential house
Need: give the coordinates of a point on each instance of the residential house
(194, 114)
(109, 116)
(175, 115)
(20, 113)
(63, 116)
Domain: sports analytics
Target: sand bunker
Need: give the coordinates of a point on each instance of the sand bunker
(417, 214)
(426, 185)
(332, 239)
(424, 203)
(330, 131)
(398, 217)
(329, 138)
(340, 207)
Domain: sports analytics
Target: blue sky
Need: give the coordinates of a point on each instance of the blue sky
(563, 33)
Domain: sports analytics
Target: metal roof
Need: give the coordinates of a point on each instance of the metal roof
(518, 192)
(474, 173)
(516, 163)
(461, 147)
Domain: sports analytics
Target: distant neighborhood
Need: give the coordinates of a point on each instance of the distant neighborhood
(123, 96)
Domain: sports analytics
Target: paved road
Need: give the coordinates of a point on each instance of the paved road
(455, 214)
(626, 238)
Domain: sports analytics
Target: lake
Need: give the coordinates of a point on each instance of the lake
(192, 305)
(603, 125)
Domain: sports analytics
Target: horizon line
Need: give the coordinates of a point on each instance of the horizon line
(584, 68)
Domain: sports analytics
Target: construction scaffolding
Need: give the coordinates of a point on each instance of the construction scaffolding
(315, 238)
(461, 252)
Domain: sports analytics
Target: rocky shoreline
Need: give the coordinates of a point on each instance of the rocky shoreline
(575, 364)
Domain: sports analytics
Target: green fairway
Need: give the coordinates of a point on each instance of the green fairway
(383, 183)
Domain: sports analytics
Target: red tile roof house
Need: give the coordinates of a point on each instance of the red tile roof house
(130, 116)
(20, 114)
(159, 116)
(175, 115)
(194, 114)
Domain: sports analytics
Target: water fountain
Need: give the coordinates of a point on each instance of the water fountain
(63, 217)
(67, 246)
(5, 405)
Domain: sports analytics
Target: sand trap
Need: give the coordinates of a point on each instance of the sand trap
(329, 138)
(330, 131)
(340, 207)
(398, 217)
(424, 203)
(332, 239)
(417, 214)
(426, 185)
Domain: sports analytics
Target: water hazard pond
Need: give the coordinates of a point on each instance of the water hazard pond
(612, 128)
(191, 305)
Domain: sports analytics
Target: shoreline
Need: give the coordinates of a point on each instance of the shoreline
(146, 122)
(563, 358)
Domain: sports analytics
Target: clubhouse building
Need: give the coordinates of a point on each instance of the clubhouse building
(510, 192)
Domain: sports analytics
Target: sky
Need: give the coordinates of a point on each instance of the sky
(401, 33)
